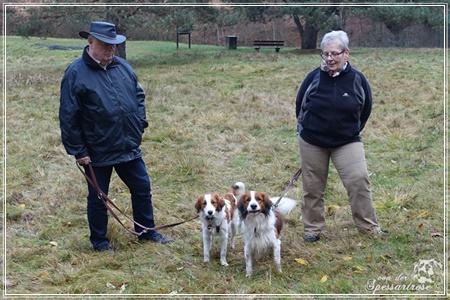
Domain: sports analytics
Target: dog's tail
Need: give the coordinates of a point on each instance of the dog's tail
(285, 205)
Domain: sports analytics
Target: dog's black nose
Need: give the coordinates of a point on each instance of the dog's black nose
(254, 206)
(210, 212)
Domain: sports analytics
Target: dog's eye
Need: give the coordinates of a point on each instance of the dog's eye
(204, 202)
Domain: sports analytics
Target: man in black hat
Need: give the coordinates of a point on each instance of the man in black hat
(102, 119)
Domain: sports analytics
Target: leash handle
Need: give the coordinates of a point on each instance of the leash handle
(293, 180)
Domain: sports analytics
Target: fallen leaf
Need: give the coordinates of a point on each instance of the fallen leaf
(361, 268)
(21, 206)
(302, 261)
(368, 260)
(358, 269)
(324, 278)
(420, 226)
(423, 214)
(53, 244)
(347, 258)
(332, 209)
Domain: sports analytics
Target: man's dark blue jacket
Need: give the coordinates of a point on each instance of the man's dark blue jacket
(102, 112)
(332, 111)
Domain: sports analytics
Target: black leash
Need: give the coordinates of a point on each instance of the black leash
(291, 183)
(108, 203)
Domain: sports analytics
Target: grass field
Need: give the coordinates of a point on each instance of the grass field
(218, 116)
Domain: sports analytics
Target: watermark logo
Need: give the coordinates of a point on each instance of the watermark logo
(426, 271)
(426, 276)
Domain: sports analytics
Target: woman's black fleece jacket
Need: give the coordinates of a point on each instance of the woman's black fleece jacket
(332, 111)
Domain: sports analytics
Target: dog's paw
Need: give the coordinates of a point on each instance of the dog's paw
(224, 263)
(206, 260)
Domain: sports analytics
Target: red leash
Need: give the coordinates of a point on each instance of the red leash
(108, 203)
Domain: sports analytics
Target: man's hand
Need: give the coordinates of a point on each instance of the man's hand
(84, 161)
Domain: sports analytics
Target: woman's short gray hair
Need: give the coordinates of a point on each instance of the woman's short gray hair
(339, 37)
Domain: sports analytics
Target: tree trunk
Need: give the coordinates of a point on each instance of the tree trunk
(112, 16)
(309, 39)
(308, 35)
(121, 50)
(217, 35)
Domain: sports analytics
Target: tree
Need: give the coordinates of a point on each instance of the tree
(120, 16)
(226, 16)
(42, 21)
(310, 20)
(397, 18)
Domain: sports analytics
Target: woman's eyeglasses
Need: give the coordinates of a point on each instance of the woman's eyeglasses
(333, 55)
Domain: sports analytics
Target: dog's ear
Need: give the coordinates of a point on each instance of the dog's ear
(220, 202)
(241, 207)
(198, 204)
(267, 204)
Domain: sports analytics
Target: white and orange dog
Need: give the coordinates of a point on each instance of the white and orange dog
(261, 226)
(219, 218)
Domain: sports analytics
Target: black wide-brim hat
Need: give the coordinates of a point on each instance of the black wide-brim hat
(105, 32)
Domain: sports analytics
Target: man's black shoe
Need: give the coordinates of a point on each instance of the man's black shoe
(103, 248)
(157, 238)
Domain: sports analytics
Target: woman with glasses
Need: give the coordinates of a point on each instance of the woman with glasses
(333, 104)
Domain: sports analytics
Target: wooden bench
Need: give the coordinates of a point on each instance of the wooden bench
(258, 44)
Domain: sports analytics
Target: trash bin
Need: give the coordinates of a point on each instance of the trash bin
(232, 41)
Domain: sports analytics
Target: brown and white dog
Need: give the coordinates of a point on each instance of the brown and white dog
(261, 228)
(219, 218)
